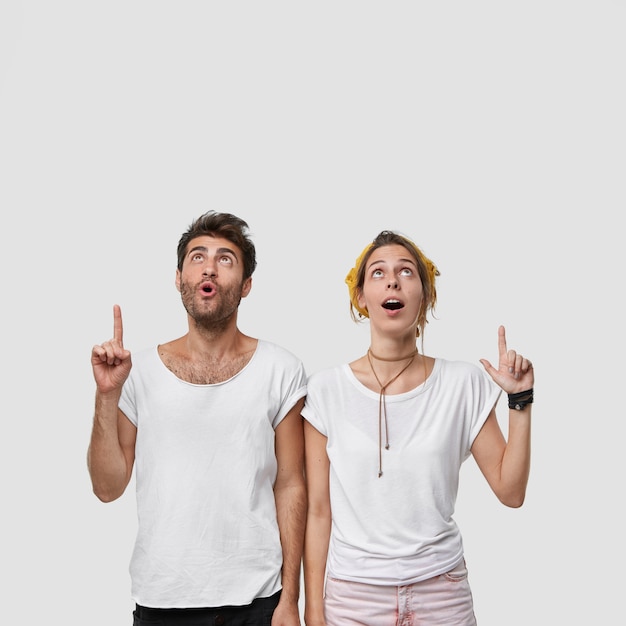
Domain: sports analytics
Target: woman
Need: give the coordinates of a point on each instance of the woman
(385, 439)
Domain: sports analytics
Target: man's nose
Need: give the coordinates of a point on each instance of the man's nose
(210, 269)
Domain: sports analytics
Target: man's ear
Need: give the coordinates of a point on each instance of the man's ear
(177, 280)
(246, 287)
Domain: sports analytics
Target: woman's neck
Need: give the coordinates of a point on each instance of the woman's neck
(388, 350)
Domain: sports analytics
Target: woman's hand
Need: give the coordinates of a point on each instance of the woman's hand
(515, 372)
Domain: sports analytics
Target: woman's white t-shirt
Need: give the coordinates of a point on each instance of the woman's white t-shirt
(398, 528)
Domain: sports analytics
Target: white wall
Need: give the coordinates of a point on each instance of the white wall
(491, 133)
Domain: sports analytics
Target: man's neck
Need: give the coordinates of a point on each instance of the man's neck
(208, 358)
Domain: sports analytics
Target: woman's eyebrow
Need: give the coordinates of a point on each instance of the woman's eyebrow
(407, 260)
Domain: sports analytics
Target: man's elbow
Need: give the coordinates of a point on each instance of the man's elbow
(105, 493)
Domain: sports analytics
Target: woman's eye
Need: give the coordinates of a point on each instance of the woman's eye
(377, 274)
(407, 272)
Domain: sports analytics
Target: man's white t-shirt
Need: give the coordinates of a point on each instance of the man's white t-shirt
(205, 470)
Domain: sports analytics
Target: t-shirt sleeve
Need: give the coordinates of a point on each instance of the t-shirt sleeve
(484, 396)
(313, 408)
(127, 402)
(293, 387)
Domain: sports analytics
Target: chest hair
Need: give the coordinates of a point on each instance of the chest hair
(207, 372)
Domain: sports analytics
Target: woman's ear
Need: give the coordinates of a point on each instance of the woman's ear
(361, 299)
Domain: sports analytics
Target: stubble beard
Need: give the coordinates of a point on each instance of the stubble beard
(209, 315)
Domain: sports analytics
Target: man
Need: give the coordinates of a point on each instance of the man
(211, 423)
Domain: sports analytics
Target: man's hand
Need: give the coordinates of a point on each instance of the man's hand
(111, 363)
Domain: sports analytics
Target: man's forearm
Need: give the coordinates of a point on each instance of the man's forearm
(291, 507)
(105, 458)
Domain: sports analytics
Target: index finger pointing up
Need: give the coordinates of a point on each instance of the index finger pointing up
(501, 342)
(118, 329)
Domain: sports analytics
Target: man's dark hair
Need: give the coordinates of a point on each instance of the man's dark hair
(225, 225)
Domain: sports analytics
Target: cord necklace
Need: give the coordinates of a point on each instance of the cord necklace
(382, 404)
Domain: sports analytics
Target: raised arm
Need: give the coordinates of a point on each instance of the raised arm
(290, 496)
(111, 452)
(506, 464)
(317, 536)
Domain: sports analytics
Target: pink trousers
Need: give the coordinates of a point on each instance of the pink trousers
(442, 600)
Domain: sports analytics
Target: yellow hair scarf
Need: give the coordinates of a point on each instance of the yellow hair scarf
(351, 278)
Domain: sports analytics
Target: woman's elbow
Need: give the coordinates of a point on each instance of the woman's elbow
(513, 500)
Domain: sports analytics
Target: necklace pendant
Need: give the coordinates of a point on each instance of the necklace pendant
(382, 404)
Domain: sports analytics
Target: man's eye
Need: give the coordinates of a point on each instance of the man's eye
(226, 260)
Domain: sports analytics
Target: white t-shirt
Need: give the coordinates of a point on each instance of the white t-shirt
(397, 529)
(205, 469)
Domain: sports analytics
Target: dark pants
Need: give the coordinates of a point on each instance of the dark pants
(259, 613)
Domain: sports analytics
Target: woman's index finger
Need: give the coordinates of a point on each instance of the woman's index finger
(118, 329)
(502, 341)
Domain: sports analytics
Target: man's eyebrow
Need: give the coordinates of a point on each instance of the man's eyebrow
(198, 249)
(227, 251)
(218, 251)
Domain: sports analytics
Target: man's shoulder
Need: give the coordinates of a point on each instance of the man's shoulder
(143, 355)
(273, 350)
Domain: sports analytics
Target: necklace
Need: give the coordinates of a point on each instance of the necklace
(382, 404)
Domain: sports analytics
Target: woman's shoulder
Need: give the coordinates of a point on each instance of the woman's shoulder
(459, 368)
(327, 375)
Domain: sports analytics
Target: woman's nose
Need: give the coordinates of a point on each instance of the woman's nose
(393, 284)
